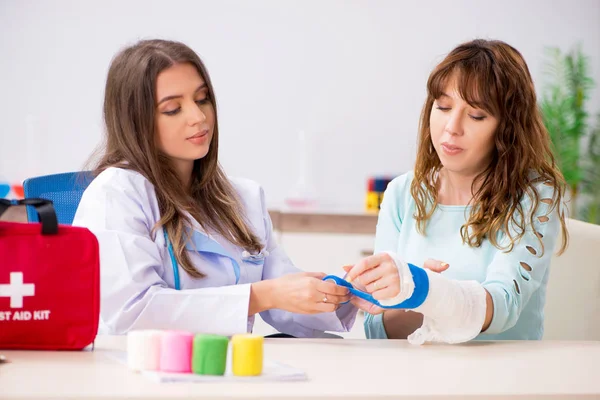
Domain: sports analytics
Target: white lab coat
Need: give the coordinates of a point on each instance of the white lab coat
(137, 278)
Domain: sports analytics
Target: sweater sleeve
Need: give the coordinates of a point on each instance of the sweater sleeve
(514, 276)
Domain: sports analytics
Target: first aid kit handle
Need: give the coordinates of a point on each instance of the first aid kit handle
(44, 208)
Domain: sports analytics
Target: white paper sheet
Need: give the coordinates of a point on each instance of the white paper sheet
(272, 371)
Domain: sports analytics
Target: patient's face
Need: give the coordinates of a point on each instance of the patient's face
(462, 135)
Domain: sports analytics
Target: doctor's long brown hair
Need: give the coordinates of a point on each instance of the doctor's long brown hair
(129, 116)
(493, 76)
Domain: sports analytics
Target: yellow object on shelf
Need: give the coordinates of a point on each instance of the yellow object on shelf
(247, 355)
(376, 187)
(373, 201)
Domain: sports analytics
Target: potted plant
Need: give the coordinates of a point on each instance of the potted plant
(576, 143)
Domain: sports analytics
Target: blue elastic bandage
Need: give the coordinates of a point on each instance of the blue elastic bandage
(419, 295)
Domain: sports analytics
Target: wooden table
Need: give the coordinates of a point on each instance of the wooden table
(336, 369)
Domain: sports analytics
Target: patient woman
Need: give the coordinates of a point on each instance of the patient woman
(485, 197)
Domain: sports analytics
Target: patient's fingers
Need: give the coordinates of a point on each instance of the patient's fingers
(435, 265)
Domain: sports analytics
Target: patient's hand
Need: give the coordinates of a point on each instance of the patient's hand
(435, 265)
(379, 274)
(359, 303)
(366, 306)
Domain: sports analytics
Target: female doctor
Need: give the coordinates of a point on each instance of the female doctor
(182, 246)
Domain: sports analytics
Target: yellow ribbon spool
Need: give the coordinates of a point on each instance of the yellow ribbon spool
(247, 355)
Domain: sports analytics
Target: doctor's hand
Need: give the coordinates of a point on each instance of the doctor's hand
(307, 293)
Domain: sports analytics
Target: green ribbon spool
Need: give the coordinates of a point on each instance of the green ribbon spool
(209, 354)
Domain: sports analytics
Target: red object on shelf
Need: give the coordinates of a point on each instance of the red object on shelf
(18, 191)
(371, 185)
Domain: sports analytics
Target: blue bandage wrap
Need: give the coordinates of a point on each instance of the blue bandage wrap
(419, 295)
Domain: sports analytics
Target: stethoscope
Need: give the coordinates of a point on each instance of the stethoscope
(256, 259)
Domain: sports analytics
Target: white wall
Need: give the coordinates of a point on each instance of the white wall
(351, 73)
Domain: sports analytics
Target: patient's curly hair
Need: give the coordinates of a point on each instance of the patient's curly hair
(493, 76)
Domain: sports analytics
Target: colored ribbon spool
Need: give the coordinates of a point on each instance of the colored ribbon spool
(176, 351)
(247, 355)
(209, 355)
(143, 350)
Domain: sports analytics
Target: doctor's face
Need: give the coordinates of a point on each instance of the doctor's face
(462, 135)
(185, 117)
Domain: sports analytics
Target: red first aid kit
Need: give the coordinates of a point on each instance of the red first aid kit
(49, 282)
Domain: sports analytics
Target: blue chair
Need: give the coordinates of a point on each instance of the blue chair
(64, 190)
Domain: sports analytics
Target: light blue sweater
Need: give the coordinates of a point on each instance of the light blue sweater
(516, 280)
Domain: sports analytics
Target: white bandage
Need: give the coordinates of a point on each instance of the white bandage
(453, 312)
(407, 285)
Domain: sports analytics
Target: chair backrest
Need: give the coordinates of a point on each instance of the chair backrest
(572, 310)
(64, 190)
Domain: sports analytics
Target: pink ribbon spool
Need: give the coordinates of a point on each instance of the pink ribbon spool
(176, 351)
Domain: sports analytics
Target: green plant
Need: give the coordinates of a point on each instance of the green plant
(565, 116)
(590, 210)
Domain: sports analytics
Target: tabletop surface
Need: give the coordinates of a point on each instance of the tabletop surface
(358, 369)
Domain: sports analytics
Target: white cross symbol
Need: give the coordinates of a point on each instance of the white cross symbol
(16, 290)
